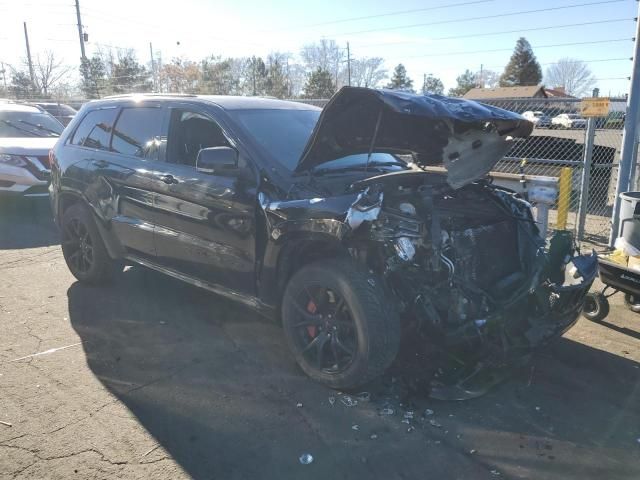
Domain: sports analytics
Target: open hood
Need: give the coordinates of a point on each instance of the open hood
(464, 136)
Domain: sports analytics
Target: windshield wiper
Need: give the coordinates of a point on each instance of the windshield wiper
(37, 125)
(11, 124)
(357, 168)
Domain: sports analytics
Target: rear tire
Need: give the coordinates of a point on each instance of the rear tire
(596, 306)
(83, 248)
(340, 323)
(632, 302)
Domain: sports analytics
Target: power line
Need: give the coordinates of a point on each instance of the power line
(584, 61)
(388, 14)
(502, 32)
(593, 42)
(484, 17)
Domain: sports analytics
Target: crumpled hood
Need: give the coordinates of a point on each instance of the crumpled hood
(464, 136)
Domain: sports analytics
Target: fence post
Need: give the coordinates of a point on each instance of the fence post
(587, 158)
(629, 137)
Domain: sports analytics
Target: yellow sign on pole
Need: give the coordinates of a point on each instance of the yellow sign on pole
(594, 107)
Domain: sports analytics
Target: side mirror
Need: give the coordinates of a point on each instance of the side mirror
(216, 159)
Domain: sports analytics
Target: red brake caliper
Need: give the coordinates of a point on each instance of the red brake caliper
(312, 330)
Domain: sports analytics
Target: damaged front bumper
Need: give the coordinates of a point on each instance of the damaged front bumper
(486, 352)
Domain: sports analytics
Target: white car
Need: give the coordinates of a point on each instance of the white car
(27, 134)
(539, 119)
(568, 120)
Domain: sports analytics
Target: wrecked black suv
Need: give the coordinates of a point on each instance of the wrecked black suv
(332, 220)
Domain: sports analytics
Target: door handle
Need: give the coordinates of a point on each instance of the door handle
(100, 163)
(169, 179)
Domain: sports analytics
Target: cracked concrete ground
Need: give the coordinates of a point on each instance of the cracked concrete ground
(151, 378)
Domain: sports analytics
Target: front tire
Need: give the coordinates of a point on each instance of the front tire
(83, 248)
(596, 306)
(340, 323)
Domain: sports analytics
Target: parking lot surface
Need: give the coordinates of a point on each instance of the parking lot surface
(152, 378)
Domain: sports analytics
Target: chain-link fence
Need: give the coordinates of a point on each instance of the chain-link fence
(558, 141)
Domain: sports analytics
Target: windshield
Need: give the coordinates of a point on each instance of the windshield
(29, 124)
(572, 116)
(538, 114)
(282, 134)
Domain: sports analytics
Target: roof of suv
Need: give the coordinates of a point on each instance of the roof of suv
(15, 107)
(228, 102)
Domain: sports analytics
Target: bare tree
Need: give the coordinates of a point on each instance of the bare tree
(487, 78)
(48, 72)
(574, 75)
(325, 55)
(367, 72)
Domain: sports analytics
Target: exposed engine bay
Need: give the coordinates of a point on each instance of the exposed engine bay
(470, 273)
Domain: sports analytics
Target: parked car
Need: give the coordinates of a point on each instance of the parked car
(314, 218)
(26, 136)
(568, 120)
(539, 119)
(63, 113)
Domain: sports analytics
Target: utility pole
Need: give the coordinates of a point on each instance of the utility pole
(481, 76)
(80, 35)
(153, 68)
(629, 137)
(26, 39)
(4, 76)
(348, 65)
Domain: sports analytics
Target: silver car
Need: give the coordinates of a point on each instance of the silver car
(27, 134)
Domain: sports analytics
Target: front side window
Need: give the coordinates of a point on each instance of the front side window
(190, 132)
(95, 129)
(137, 132)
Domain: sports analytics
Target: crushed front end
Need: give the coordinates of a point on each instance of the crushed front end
(471, 275)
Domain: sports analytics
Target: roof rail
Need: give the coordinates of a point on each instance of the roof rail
(125, 95)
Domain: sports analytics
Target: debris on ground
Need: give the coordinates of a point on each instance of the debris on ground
(348, 401)
(6, 423)
(410, 429)
(408, 414)
(495, 473)
(363, 396)
(306, 458)
(538, 409)
(435, 423)
(355, 427)
(299, 405)
(373, 436)
(150, 450)
(405, 420)
(332, 401)
(386, 411)
(428, 412)
(472, 451)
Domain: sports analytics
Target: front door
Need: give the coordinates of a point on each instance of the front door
(204, 221)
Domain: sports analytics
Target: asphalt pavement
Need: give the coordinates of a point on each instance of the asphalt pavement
(152, 378)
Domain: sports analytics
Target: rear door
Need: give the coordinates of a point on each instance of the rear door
(121, 145)
(204, 222)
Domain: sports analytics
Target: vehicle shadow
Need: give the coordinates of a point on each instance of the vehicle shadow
(215, 385)
(26, 223)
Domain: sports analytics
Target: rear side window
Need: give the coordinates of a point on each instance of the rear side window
(95, 128)
(138, 132)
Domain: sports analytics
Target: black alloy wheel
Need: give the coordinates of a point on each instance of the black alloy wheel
(78, 246)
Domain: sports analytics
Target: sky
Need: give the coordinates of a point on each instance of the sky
(439, 37)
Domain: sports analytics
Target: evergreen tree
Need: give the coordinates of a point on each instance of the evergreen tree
(92, 76)
(127, 75)
(432, 85)
(400, 80)
(256, 76)
(319, 84)
(465, 82)
(21, 85)
(277, 84)
(523, 67)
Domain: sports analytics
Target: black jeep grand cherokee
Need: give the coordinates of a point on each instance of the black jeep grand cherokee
(334, 221)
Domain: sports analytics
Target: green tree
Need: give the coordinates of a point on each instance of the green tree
(319, 84)
(127, 75)
(218, 77)
(400, 80)
(432, 85)
(465, 82)
(277, 83)
(523, 67)
(92, 76)
(21, 86)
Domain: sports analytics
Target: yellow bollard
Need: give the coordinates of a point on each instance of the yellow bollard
(564, 196)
